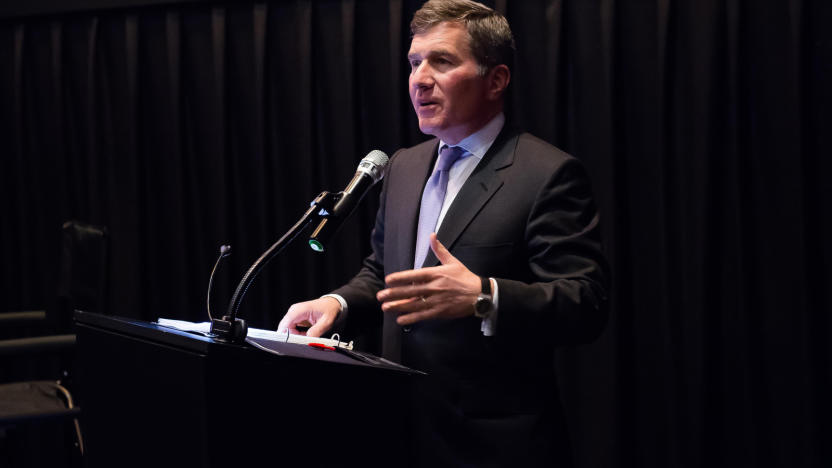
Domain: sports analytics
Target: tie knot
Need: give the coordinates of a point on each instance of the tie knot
(448, 155)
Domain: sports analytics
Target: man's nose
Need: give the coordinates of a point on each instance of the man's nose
(421, 76)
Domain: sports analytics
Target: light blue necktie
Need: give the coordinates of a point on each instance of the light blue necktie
(432, 198)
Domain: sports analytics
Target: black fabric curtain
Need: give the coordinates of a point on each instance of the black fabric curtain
(705, 126)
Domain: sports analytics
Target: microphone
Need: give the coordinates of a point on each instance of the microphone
(225, 251)
(370, 170)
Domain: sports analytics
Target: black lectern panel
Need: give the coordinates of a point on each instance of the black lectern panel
(152, 396)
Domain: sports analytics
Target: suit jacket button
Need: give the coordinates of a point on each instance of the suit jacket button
(406, 328)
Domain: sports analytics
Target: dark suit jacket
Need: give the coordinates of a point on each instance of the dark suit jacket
(526, 217)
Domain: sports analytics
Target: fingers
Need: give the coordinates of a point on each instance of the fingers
(404, 306)
(406, 291)
(409, 277)
(415, 309)
(287, 325)
(410, 319)
(320, 327)
(411, 310)
(320, 313)
(424, 275)
(440, 251)
(296, 314)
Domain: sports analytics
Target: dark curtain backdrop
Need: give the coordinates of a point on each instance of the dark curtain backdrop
(704, 124)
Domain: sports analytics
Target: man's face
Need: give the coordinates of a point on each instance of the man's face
(447, 91)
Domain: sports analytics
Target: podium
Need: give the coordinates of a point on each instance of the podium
(152, 396)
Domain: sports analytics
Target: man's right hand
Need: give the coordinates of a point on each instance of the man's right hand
(321, 313)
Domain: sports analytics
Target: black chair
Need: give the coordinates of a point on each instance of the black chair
(36, 415)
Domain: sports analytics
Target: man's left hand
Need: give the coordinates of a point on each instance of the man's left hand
(446, 291)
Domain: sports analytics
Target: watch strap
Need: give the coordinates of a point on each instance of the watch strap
(486, 285)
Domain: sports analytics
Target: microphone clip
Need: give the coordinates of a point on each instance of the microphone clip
(325, 203)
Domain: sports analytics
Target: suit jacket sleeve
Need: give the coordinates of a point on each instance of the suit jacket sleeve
(565, 294)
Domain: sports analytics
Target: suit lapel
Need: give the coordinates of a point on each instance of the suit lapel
(405, 199)
(481, 185)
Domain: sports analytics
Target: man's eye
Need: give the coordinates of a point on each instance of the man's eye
(414, 63)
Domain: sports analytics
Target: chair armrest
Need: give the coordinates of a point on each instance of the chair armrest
(22, 316)
(36, 344)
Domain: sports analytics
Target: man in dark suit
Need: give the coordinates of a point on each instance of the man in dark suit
(513, 270)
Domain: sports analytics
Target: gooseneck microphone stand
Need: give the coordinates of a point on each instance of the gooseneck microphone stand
(231, 329)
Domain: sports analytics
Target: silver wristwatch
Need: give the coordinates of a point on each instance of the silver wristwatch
(484, 302)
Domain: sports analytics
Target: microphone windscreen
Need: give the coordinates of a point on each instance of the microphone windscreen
(377, 157)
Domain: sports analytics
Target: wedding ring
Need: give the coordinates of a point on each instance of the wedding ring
(423, 299)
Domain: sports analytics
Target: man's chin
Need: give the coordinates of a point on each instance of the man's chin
(428, 128)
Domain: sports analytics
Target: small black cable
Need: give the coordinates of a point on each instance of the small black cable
(225, 251)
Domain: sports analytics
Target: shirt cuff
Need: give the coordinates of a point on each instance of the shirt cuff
(489, 322)
(339, 299)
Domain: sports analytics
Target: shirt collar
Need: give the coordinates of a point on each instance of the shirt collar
(480, 141)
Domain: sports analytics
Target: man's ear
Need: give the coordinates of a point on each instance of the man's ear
(498, 80)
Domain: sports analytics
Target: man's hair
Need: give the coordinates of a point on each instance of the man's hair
(491, 41)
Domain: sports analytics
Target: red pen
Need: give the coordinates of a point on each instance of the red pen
(322, 346)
